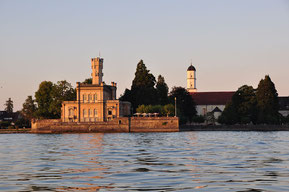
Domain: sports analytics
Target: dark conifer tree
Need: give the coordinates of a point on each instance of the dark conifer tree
(162, 91)
(142, 88)
(267, 102)
(9, 106)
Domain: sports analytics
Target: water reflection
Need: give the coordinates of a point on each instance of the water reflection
(191, 161)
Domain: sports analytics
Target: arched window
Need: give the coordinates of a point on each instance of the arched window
(71, 112)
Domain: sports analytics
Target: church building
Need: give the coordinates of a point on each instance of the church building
(215, 102)
(206, 102)
(95, 102)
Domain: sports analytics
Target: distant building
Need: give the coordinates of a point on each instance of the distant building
(95, 102)
(10, 117)
(284, 106)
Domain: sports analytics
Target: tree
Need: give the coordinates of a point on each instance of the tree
(229, 115)
(169, 109)
(9, 106)
(87, 81)
(49, 98)
(43, 98)
(244, 101)
(142, 88)
(162, 90)
(267, 102)
(62, 91)
(29, 108)
(242, 109)
(186, 106)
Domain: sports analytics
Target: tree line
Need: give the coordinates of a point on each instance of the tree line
(148, 95)
(256, 106)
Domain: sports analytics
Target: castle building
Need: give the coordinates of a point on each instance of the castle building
(95, 102)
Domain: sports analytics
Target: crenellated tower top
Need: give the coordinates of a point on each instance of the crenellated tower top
(97, 66)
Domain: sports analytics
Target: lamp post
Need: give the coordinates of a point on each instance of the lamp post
(175, 106)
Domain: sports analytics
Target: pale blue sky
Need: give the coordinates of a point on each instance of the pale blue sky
(230, 43)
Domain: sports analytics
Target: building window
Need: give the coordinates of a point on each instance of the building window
(84, 112)
(71, 113)
(84, 97)
(88, 112)
(109, 112)
(95, 112)
(89, 97)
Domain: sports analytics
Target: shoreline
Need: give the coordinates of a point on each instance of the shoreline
(184, 128)
(261, 127)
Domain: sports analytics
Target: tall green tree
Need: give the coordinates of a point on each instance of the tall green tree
(62, 91)
(245, 103)
(267, 102)
(186, 106)
(29, 108)
(43, 98)
(243, 107)
(9, 106)
(49, 98)
(162, 90)
(142, 88)
(229, 115)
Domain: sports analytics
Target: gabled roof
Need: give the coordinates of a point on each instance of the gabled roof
(212, 98)
(217, 109)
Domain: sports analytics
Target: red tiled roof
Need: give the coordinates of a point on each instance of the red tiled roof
(212, 98)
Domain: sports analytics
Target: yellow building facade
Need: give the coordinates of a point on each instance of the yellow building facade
(95, 102)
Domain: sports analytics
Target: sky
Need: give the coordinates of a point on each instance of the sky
(230, 43)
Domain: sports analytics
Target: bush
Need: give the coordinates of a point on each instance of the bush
(198, 119)
(4, 124)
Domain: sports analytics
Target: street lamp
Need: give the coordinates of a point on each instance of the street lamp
(175, 106)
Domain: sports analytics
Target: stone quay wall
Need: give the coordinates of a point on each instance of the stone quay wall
(119, 125)
(154, 124)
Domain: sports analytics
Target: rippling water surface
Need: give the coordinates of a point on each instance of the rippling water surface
(186, 161)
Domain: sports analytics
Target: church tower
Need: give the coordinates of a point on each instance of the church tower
(191, 79)
(97, 66)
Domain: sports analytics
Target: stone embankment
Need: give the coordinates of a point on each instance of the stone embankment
(19, 130)
(234, 128)
(119, 125)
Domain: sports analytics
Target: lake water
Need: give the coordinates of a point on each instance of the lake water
(186, 161)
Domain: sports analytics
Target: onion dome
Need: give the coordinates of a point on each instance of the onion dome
(191, 68)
